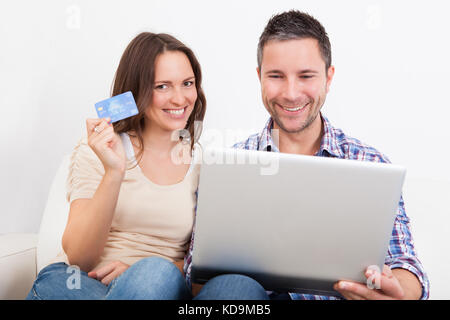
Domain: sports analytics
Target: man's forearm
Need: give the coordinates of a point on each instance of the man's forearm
(410, 284)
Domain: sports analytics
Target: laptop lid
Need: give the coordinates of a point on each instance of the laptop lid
(294, 223)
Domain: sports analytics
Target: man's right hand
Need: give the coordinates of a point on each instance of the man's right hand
(106, 144)
(196, 288)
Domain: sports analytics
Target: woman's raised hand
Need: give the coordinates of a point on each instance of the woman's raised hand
(106, 144)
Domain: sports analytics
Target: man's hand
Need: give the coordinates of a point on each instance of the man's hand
(109, 272)
(196, 288)
(389, 286)
(180, 264)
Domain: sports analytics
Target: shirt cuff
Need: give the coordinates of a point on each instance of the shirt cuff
(421, 276)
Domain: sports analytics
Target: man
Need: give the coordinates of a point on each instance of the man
(295, 72)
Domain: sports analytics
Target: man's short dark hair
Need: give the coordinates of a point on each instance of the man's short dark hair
(292, 25)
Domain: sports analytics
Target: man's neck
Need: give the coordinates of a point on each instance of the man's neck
(305, 142)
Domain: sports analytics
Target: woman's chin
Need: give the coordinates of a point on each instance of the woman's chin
(175, 126)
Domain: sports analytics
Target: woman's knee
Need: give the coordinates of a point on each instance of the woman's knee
(232, 287)
(61, 281)
(49, 283)
(155, 268)
(154, 263)
(150, 278)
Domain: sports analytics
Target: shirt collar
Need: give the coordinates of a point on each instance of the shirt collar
(329, 145)
(330, 141)
(265, 142)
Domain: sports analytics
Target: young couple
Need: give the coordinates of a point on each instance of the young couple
(132, 208)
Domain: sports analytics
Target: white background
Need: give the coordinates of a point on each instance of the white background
(58, 58)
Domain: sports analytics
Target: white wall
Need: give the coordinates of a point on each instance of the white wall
(58, 58)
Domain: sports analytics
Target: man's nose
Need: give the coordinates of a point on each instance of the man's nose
(291, 90)
(178, 97)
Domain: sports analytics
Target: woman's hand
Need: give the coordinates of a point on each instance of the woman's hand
(106, 144)
(109, 272)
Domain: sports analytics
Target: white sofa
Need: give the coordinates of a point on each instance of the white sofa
(22, 256)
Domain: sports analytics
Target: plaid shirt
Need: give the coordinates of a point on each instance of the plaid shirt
(401, 252)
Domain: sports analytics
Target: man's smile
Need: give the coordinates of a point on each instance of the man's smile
(292, 109)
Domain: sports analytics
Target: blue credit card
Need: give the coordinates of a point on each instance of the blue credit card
(118, 107)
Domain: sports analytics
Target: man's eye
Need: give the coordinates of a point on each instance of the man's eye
(275, 76)
(306, 76)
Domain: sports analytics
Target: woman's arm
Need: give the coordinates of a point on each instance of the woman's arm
(90, 220)
(89, 223)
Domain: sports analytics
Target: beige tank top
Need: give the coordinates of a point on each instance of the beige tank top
(150, 219)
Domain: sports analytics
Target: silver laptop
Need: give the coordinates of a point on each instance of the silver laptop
(293, 223)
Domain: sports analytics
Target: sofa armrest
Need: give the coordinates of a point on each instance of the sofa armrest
(17, 264)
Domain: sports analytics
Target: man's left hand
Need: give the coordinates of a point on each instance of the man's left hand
(389, 287)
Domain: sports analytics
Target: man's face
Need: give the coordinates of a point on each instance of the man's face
(294, 82)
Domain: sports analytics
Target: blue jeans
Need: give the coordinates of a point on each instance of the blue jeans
(152, 278)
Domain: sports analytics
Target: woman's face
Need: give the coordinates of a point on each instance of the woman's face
(174, 92)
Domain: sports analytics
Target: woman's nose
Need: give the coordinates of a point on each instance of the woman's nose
(178, 97)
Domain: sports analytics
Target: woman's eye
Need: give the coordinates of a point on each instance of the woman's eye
(188, 83)
(161, 86)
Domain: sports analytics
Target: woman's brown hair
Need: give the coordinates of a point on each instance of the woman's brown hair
(136, 73)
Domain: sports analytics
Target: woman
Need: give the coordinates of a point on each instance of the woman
(132, 189)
